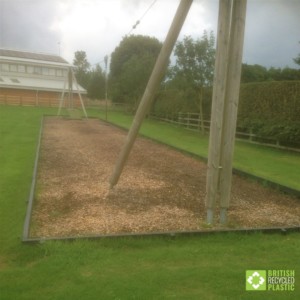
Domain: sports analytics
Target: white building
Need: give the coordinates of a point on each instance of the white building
(28, 78)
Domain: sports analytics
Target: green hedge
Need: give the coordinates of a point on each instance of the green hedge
(269, 109)
(172, 101)
(274, 100)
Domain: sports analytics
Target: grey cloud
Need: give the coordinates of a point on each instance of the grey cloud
(25, 24)
(272, 32)
(271, 39)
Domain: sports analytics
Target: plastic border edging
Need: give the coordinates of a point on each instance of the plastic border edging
(26, 227)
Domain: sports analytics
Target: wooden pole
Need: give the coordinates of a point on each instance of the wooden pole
(218, 97)
(231, 27)
(37, 98)
(153, 83)
(62, 98)
(201, 111)
(231, 102)
(79, 94)
(70, 82)
(106, 61)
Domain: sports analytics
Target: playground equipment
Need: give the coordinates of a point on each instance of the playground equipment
(68, 87)
(230, 40)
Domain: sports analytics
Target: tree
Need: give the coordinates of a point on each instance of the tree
(194, 67)
(297, 59)
(258, 73)
(253, 73)
(82, 67)
(130, 68)
(195, 60)
(96, 84)
(290, 74)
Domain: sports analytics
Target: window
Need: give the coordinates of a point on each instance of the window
(30, 69)
(5, 67)
(45, 71)
(21, 68)
(59, 73)
(15, 80)
(13, 68)
(52, 72)
(37, 70)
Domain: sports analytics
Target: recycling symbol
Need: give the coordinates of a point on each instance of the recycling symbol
(260, 282)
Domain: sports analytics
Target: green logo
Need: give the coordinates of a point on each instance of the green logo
(256, 280)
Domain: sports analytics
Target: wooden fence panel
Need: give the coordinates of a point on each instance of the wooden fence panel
(36, 101)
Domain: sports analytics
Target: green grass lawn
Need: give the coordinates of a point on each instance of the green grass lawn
(206, 267)
(272, 164)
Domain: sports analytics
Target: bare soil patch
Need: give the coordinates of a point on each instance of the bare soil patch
(160, 189)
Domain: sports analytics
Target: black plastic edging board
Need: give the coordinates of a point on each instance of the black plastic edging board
(267, 230)
(26, 227)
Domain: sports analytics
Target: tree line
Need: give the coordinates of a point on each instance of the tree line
(190, 70)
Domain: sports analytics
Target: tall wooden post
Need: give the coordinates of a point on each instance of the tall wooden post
(79, 94)
(218, 98)
(69, 80)
(70, 87)
(105, 62)
(231, 102)
(153, 83)
(225, 104)
(62, 98)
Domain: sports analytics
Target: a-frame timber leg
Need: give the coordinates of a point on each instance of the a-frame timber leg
(231, 27)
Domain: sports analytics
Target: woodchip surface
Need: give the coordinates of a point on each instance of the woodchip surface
(160, 189)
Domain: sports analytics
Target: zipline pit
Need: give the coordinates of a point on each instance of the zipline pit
(160, 190)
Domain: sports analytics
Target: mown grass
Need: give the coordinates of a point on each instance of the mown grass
(279, 166)
(206, 267)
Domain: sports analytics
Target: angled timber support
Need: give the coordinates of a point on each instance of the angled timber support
(153, 84)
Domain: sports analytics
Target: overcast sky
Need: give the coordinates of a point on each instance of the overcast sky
(97, 26)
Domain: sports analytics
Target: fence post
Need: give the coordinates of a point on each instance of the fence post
(201, 110)
(188, 120)
(37, 98)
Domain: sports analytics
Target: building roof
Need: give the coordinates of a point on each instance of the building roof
(32, 56)
(41, 84)
(27, 81)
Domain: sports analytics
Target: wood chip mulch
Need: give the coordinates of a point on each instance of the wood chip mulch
(159, 190)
